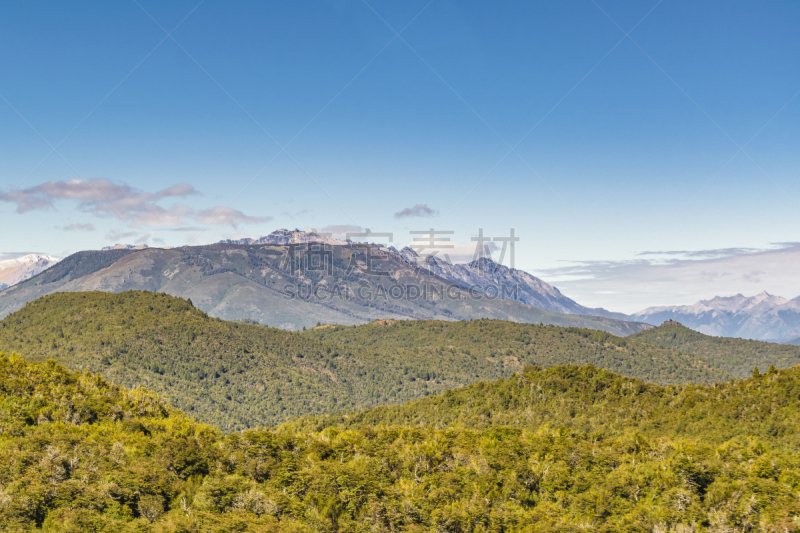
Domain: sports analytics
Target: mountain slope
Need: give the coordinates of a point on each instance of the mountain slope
(593, 401)
(262, 283)
(13, 271)
(236, 375)
(232, 375)
(80, 454)
(736, 356)
(484, 274)
(508, 347)
(761, 317)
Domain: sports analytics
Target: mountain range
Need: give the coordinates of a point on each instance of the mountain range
(249, 279)
(13, 271)
(288, 282)
(762, 317)
(478, 274)
(529, 289)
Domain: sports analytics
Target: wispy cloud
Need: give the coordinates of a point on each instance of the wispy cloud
(337, 231)
(79, 227)
(680, 277)
(102, 197)
(418, 211)
(227, 216)
(701, 254)
(117, 236)
(186, 229)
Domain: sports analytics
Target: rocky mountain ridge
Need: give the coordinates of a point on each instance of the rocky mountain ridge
(13, 271)
(290, 287)
(763, 317)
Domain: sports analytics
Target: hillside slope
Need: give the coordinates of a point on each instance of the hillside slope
(736, 356)
(237, 375)
(80, 454)
(589, 400)
(273, 285)
(507, 347)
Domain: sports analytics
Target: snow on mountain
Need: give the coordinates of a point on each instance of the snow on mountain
(483, 275)
(285, 236)
(13, 271)
(494, 279)
(126, 247)
(762, 317)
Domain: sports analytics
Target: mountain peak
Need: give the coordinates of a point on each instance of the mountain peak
(13, 271)
(284, 236)
(762, 317)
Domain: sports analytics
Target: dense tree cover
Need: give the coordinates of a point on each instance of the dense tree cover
(594, 401)
(235, 375)
(232, 375)
(736, 356)
(78, 454)
(493, 347)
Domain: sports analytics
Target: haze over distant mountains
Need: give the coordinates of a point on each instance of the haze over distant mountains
(761, 317)
(13, 271)
(269, 281)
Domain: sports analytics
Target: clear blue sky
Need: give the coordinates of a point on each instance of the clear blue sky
(623, 145)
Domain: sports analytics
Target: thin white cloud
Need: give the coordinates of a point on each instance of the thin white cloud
(337, 231)
(227, 216)
(418, 211)
(117, 236)
(104, 198)
(79, 227)
(680, 277)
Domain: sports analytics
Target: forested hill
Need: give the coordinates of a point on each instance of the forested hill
(78, 454)
(506, 345)
(237, 375)
(595, 401)
(230, 374)
(736, 356)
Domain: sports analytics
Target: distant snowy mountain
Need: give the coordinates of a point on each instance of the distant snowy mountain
(13, 271)
(488, 276)
(760, 317)
(483, 275)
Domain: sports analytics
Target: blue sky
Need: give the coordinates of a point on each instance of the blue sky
(681, 136)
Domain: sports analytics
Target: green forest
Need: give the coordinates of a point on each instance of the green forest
(736, 356)
(137, 412)
(80, 454)
(238, 375)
